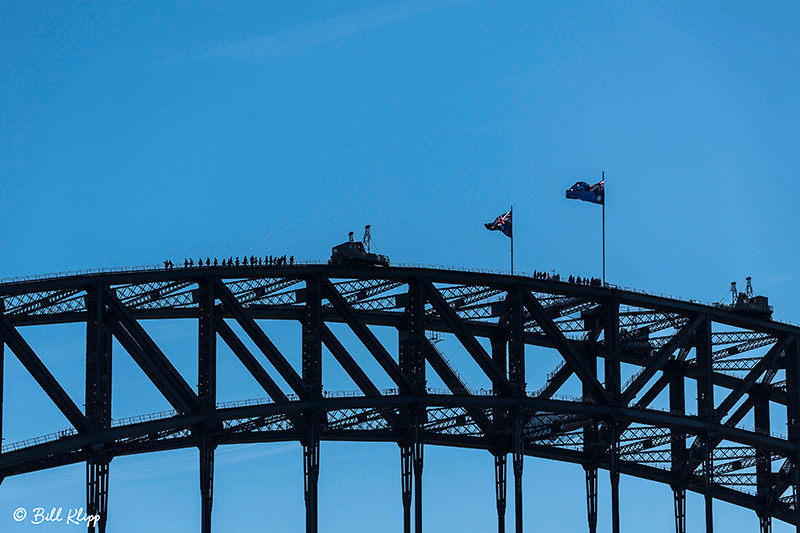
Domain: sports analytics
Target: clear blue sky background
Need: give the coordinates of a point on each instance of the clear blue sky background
(132, 133)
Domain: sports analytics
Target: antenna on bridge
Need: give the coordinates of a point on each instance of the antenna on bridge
(367, 238)
(748, 302)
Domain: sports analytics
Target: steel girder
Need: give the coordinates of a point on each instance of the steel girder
(611, 426)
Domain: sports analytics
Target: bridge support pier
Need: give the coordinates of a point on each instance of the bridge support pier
(708, 466)
(792, 359)
(207, 392)
(98, 402)
(411, 463)
(677, 404)
(614, 476)
(206, 478)
(517, 459)
(796, 490)
(500, 474)
(311, 475)
(765, 523)
(764, 476)
(406, 478)
(516, 375)
(97, 491)
(679, 495)
(418, 463)
(591, 497)
(705, 410)
(518, 490)
(2, 378)
(611, 355)
(412, 341)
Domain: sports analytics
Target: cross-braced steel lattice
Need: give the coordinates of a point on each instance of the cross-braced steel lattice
(636, 421)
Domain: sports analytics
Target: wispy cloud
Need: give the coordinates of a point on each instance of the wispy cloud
(304, 37)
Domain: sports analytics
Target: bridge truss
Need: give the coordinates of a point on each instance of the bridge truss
(648, 350)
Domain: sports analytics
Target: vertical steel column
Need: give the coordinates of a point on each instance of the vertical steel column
(796, 491)
(500, 417)
(517, 457)
(411, 338)
(312, 337)
(792, 358)
(311, 474)
(705, 410)
(207, 393)
(679, 496)
(312, 376)
(406, 478)
(614, 476)
(677, 404)
(591, 434)
(500, 473)
(612, 381)
(206, 477)
(591, 497)
(207, 346)
(516, 341)
(2, 378)
(763, 456)
(98, 402)
(418, 462)
(97, 490)
(516, 375)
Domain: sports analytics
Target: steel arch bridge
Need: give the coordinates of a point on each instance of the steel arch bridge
(743, 368)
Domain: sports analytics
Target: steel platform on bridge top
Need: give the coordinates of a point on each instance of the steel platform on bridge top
(618, 426)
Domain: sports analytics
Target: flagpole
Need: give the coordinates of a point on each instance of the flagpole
(512, 239)
(603, 179)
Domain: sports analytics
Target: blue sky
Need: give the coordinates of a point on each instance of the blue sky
(133, 133)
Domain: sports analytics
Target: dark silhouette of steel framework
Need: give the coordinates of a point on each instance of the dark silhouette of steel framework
(611, 425)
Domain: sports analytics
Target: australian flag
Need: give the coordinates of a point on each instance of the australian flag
(501, 223)
(595, 194)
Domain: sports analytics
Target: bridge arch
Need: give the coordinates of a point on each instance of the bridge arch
(741, 365)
